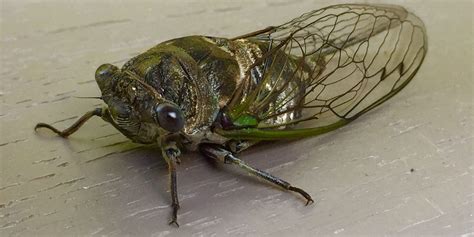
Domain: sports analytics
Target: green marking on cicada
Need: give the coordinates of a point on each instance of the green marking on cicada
(246, 121)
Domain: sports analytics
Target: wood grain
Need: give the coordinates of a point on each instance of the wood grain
(403, 169)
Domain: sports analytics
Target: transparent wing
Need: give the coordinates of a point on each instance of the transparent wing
(331, 65)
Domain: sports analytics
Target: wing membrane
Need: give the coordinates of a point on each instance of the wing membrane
(332, 65)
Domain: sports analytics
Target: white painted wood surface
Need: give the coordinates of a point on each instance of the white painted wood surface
(403, 169)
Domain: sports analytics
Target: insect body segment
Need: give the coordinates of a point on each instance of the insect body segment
(306, 77)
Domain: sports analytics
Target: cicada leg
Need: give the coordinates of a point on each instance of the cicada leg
(219, 153)
(73, 128)
(237, 146)
(171, 153)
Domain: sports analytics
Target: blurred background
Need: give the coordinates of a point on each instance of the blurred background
(405, 168)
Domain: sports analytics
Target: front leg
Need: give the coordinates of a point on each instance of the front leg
(171, 153)
(73, 128)
(219, 153)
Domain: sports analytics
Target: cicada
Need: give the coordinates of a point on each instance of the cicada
(219, 96)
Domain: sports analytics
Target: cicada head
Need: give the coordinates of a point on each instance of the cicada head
(134, 108)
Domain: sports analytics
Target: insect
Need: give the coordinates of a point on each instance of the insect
(219, 96)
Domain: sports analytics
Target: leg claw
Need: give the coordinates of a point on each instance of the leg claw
(308, 198)
(174, 222)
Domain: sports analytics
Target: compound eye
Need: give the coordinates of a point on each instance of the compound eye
(105, 70)
(104, 73)
(169, 117)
